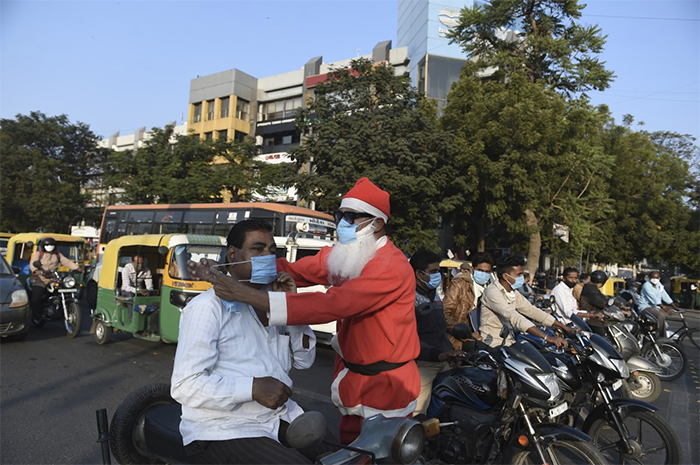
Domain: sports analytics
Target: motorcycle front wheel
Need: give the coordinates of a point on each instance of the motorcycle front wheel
(648, 391)
(74, 320)
(673, 361)
(652, 440)
(562, 452)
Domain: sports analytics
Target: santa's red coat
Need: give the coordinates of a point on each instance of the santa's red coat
(376, 322)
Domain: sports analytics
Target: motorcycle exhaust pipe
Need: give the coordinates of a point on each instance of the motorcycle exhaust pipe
(103, 439)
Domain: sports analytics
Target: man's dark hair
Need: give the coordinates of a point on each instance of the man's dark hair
(569, 269)
(583, 276)
(507, 263)
(482, 257)
(423, 258)
(238, 232)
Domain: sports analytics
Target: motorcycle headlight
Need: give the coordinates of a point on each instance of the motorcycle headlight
(19, 298)
(549, 380)
(408, 442)
(69, 281)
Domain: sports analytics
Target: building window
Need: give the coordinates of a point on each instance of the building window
(279, 109)
(197, 112)
(242, 109)
(239, 136)
(224, 107)
(208, 136)
(223, 135)
(210, 110)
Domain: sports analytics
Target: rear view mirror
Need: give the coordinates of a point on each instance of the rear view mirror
(306, 430)
(461, 331)
(37, 264)
(29, 244)
(163, 250)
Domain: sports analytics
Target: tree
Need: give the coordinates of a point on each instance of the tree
(173, 168)
(366, 121)
(46, 161)
(540, 36)
(534, 158)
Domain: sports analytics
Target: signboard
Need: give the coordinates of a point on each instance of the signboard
(309, 220)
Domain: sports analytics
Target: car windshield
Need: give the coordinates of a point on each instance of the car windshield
(5, 268)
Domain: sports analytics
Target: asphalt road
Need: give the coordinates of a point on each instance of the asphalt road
(51, 387)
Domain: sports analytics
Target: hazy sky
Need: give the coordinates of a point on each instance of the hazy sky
(120, 65)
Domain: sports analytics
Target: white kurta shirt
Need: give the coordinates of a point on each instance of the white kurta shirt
(222, 346)
(564, 301)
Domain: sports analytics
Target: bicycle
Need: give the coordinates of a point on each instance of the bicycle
(685, 331)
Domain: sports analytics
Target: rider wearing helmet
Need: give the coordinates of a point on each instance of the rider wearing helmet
(593, 300)
(49, 257)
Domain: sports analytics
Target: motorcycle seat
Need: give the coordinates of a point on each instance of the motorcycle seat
(162, 430)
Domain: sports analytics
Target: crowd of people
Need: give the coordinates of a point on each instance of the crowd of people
(239, 339)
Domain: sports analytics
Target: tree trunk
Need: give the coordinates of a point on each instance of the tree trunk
(480, 234)
(534, 250)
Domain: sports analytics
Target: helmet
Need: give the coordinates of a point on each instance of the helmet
(48, 241)
(632, 285)
(599, 276)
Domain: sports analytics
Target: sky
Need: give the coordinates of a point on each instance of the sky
(121, 65)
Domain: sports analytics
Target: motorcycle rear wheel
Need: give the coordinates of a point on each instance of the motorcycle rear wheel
(678, 359)
(661, 445)
(562, 452)
(74, 320)
(127, 438)
(648, 392)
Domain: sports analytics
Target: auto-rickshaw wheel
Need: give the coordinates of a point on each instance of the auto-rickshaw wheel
(103, 333)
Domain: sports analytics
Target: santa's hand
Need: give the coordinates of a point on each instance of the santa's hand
(284, 283)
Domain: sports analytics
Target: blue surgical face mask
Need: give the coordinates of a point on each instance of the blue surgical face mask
(263, 269)
(347, 233)
(519, 281)
(435, 280)
(481, 277)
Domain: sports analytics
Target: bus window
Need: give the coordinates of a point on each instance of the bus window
(198, 221)
(222, 229)
(168, 222)
(135, 229)
(108, 230)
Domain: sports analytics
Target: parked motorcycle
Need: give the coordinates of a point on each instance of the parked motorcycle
(590, 370)
(486, 412)
(61, 301)
(145, 429)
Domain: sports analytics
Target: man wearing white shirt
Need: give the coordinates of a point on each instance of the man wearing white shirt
(565, 304)
(231, 372)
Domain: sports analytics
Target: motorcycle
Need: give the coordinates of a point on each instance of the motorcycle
(61, 301)
(643, 382)
(486, 412)
(668, 354)
(145, 429)
(590, 370)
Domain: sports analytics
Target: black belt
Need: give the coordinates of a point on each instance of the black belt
(373, 368)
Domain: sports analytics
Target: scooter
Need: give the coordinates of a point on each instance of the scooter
(145, 429)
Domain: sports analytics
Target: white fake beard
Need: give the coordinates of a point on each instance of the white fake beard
(346, 261)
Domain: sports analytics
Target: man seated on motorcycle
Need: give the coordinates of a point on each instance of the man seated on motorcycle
(231, 373)
(502, 303)
(565, 303)
(436, 351)
(136, 278)
(653, 298)
(50, 258)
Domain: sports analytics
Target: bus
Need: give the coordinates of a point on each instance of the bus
(213, 219)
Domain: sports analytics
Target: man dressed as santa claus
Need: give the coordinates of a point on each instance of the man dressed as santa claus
(372, 297)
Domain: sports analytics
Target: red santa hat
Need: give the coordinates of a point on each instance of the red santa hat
(365, 197)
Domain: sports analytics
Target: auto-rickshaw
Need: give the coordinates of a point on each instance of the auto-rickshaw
(686, 291)
(4, 238)
(21, 247)
(613, 286)
(154, 316)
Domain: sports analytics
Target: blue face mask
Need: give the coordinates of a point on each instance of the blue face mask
(435, 280)
(263, 269)
(519, 281)
(347, 232)
(481, 277)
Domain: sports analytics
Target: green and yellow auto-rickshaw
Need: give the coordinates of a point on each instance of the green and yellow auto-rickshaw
(21, 247)
(613, 286)
(155, 315)
(686, 291)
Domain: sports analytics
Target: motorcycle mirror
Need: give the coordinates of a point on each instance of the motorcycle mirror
(306, 430)
(29, 244)
(37, 264)
(461, 331)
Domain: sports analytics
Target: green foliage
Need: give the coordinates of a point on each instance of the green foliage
(46, 160)
(542, 37)
(367, 121)
(173, 168)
